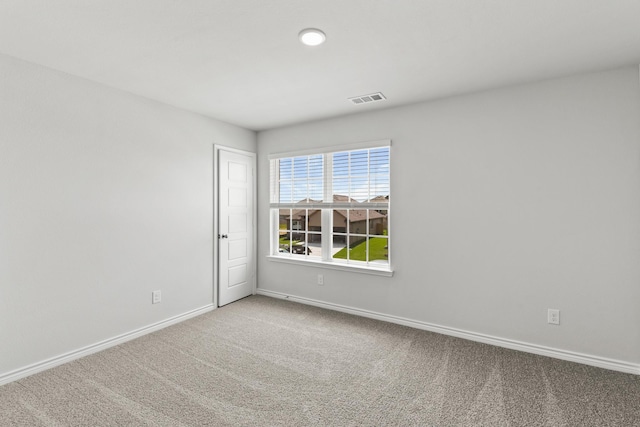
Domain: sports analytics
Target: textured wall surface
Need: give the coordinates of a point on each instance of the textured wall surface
(526, 198)
(104, 197)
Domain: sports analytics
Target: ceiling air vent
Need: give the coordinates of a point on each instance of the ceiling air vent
(365, 99)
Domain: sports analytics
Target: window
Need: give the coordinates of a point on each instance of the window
(332, 207)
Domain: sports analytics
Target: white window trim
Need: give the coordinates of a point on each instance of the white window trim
(333, 149)
(327, 216)
(388, 272)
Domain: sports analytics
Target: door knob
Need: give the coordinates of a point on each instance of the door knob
(222, 236)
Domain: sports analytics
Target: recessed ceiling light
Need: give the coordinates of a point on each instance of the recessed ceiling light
(312, 37)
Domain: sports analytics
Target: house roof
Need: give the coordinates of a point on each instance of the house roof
(380, 199)
(354, 215)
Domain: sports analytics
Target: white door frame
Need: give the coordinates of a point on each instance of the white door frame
(216, 216)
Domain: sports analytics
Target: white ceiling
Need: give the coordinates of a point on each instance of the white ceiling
(240, 60)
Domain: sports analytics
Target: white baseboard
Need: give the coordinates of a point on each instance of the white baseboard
(102, 345)
(600, 362)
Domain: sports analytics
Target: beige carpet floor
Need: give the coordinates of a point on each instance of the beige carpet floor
(268, 362)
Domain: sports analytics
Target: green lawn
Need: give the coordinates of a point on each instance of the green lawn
(377, 250)
(285, 241)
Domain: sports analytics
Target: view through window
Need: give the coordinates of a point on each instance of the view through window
(332, 207)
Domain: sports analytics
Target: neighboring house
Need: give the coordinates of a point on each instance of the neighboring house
(357, 219)
(295, 218)
(382, 199)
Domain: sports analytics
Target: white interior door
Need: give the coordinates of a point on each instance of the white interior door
(236, 264)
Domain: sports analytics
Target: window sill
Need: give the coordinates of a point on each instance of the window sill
(332, 266)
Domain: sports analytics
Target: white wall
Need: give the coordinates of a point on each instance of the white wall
(528, 198)
(104, 197)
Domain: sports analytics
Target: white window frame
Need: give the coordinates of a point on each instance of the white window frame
(327, 261)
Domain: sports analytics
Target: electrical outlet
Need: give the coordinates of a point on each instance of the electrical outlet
(320, 279)
(553, 316)
(156, 297)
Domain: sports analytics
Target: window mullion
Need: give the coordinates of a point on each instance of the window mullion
(275, 164)
(275, 213)
(369, 193)
(328, 179)
(274, 218)
(327, 214)
(367, 252)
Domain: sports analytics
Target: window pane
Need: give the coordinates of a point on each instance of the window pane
(378, 250)
(361, 175)
(300, 244)
(340, 221)
(283, 243)
(284, 216)
(379, 160)
(340, 165)
(314, 220)
(300, 167)
(316, 167)
(340, 250)
(379, 187)
(358, 221)
(314, 245)
(285, 169)
(379, 170)
(300, 178)
(359, 189)
(300, 191)
(285, 192)
(378, 222)
(341, 188)
(316, 191)
(284, 219)
(359, 163)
